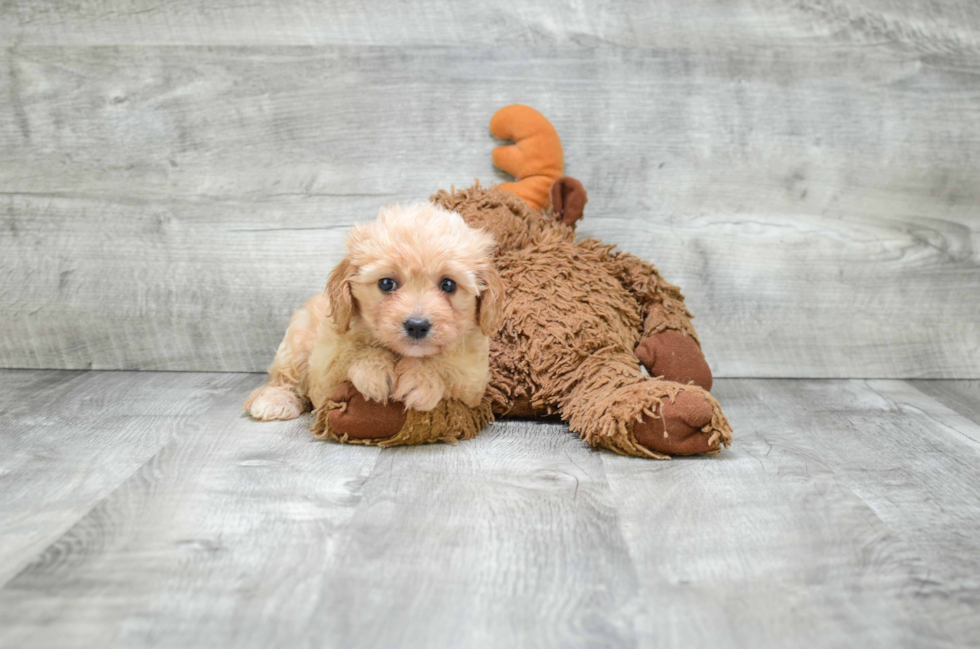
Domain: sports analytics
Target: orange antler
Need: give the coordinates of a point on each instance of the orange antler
(535, 158)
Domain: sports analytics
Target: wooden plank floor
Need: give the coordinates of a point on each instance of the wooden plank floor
(144, 509)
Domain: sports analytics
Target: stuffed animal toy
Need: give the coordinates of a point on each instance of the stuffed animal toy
(579, 320)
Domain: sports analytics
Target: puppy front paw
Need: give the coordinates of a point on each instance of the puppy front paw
(419, 390)
(472, 396)
(271, 402)
(373, 377)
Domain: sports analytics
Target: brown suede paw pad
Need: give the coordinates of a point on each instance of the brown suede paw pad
(678, 429)
(675, 357)
(358, 418)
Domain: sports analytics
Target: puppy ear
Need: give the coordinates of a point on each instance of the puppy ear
(490, 303)
(340, 294)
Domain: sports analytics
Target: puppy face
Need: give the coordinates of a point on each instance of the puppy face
(418, 280)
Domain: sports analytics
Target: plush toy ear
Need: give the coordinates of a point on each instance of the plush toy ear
(490, 303)
(341, 296)
(568, 199)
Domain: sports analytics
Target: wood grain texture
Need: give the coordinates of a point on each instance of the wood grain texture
(507, 540)
(962, 397)
(947, 25)
(69, 439)
(845, 513)
(805, 171)
(218, 540)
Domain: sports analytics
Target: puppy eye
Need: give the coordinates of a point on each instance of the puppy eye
(448, 285)
(387, 284)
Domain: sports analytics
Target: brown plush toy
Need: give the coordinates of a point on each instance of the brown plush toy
(579, 320)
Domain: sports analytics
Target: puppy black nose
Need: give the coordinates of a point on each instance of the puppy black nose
(417, 327)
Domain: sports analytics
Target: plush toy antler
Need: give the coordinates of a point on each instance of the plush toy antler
(535, 158)
(537, 161)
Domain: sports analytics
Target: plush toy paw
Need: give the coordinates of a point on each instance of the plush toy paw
(678, 428)
(360, 418)
(675, 357)
(350, 418)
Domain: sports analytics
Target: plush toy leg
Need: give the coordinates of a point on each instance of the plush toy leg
(613, 405)
(669, 347)
(349, 417)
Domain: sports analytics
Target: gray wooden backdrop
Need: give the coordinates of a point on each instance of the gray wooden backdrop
(176, 177)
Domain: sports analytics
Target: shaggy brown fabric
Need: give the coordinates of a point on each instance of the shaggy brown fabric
(509, 218)
(668, 312)
(574, 311)
(675, 357)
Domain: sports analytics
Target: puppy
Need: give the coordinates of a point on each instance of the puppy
(405, 316)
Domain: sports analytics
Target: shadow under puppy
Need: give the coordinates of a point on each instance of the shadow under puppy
(405, 316)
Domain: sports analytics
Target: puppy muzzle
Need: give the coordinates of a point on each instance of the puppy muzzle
(417, 328)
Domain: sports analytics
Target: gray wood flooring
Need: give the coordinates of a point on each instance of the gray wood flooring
(176, 177)
(143, 509)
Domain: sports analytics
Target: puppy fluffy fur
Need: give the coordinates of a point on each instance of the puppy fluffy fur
(355, 331)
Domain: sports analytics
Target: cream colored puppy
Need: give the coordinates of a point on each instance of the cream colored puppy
(405, 316)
